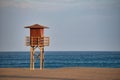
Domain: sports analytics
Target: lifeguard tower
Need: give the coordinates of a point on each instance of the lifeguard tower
(36, 40)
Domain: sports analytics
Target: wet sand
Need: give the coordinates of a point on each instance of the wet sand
(60, 74)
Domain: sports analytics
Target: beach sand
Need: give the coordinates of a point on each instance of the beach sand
(60, 74)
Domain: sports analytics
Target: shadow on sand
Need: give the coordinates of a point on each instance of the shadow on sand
(34, 77)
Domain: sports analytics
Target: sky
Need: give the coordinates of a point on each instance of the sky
(74, 25)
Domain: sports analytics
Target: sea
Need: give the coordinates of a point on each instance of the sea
(62, 59)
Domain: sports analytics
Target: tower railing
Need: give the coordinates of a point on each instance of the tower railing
(37, 41)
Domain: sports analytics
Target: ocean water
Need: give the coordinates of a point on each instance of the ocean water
(59, 59)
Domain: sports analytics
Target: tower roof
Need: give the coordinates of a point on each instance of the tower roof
(36, 26)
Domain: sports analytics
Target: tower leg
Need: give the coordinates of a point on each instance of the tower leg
(32, 58)
(41, 58)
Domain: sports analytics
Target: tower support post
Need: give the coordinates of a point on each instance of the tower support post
(41, 58)
(32, 58)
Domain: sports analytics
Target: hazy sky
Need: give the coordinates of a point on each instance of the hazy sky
(82, 25)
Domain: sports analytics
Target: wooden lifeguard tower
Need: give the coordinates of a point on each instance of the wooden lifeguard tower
(36, 40)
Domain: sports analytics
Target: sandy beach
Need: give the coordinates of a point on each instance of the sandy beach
(60, 74)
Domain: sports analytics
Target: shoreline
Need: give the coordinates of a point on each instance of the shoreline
(61, 67)
(67, 73)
